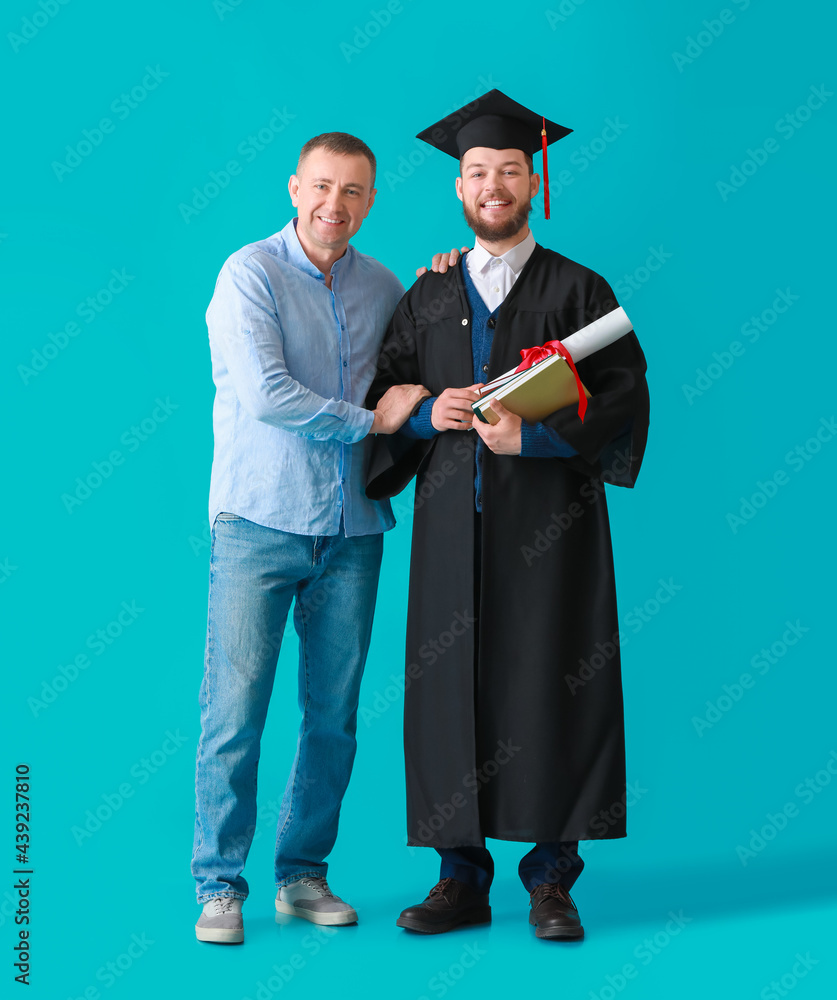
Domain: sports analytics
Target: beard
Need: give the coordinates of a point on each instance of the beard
(493, 232)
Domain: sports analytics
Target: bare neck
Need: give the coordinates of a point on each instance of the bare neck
(323, 259)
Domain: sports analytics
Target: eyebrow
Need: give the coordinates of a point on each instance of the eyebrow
(328, 180)
(505, 163)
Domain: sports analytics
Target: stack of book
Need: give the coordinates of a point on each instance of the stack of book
(532, 393)
(549, 384)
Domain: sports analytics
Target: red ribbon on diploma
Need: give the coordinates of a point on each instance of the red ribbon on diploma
(532, 355)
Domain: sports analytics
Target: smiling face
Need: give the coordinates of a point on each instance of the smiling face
(332, 194)
(496, 191)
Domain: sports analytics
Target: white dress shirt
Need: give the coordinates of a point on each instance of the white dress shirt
(493, 276)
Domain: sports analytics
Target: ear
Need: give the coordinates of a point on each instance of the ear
(371, 202)
(534, 185)
(293, 190)
(459, 187)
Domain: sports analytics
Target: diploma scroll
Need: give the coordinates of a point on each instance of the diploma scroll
(598, 334)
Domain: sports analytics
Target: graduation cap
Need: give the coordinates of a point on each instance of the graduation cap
(496, 122)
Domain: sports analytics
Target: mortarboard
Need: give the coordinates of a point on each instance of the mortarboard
(496, 122)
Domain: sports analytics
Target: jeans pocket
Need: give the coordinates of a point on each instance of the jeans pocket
(224, 516)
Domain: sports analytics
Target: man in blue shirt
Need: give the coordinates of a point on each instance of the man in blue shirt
(295, 328)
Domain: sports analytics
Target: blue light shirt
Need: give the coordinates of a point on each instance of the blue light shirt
(292, 361)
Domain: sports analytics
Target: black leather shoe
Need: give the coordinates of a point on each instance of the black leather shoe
(553, 913)
(450, 904)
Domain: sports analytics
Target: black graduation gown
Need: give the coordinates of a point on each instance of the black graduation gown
(513, 728)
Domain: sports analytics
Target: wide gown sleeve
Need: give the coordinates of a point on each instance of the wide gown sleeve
(611, 440)
(395, 458)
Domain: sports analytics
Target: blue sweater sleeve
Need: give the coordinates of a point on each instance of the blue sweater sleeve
(419, 426)
(540, 441)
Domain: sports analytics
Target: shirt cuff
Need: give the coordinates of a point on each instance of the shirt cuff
(359, 426)
(419, 425)
(540, 441)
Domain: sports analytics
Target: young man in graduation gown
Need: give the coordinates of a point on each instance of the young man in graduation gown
(507, 735)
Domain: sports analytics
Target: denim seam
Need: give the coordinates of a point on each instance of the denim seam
(207, 662)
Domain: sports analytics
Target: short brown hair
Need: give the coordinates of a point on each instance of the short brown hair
(341, 143)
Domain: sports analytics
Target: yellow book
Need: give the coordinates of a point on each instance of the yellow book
(533, 393)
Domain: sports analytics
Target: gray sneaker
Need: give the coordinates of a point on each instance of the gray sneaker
(221, 921)
(311, 898)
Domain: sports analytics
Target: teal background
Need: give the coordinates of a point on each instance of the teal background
(141, 536)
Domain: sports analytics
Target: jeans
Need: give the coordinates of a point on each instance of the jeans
(548, 862)
(255, 573)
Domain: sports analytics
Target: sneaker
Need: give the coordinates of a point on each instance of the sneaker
(221, 921)
(311, 898)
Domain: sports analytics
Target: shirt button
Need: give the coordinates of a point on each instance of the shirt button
(479, 499)
(345, 364)
(485, 368)
(495, 289)
(464, 322)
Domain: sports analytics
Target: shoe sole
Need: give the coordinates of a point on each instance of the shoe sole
(477, 916)
(556, 933)
(219, 935)
(326, 919)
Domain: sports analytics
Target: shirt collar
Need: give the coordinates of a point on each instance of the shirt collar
(298, 257)
(515, 258)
